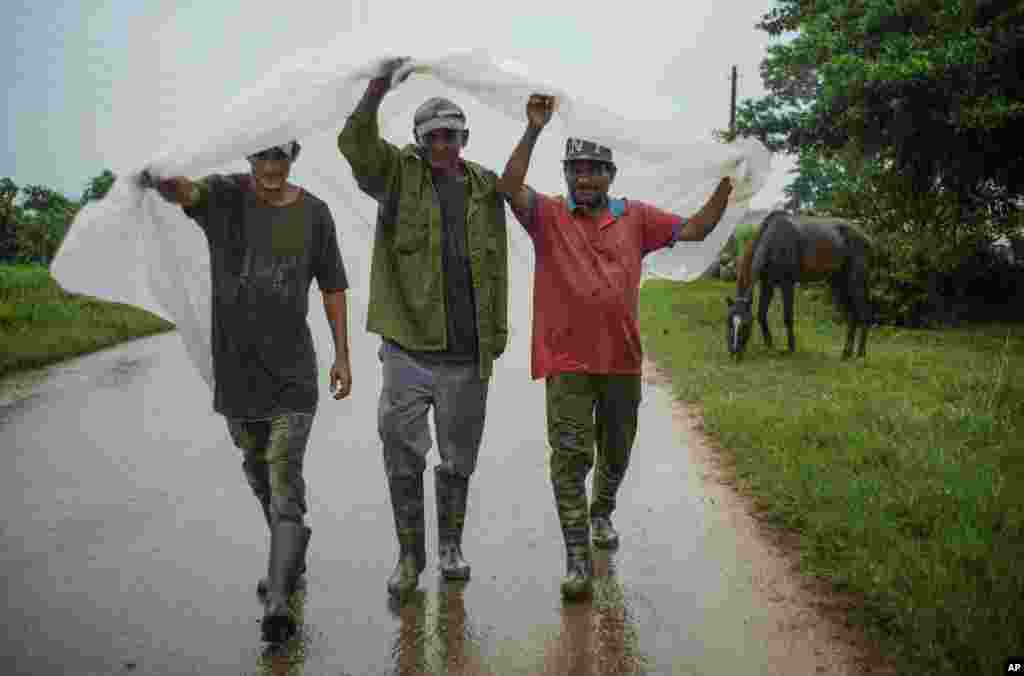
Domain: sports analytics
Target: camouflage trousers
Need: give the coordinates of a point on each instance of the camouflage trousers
(585, 411)
(273, 451)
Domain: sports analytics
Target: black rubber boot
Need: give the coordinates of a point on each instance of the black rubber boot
(287, 550)
(579, 567)
(299, 583)
(407, 506)
(265, 506)
(452, 493)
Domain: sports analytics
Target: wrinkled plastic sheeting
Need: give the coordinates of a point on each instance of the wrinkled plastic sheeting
(133, 247)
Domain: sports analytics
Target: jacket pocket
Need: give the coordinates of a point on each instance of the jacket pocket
(411, 237)
(412, 226)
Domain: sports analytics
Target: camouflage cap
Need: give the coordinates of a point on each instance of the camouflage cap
(438, 113)
(580, 149)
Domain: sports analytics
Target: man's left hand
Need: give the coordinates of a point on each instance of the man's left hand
(539, 109)
(341, 378)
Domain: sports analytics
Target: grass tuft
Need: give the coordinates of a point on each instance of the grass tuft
(41, 324)
(898, 471)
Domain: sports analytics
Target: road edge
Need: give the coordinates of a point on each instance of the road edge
(811, 632)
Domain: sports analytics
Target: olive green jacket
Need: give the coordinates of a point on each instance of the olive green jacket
(406, 277)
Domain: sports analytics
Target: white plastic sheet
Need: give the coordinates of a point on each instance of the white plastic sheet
(133, 247)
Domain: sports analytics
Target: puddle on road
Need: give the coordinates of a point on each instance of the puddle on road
(434, 634)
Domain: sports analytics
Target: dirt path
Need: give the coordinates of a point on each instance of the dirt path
(804, 624)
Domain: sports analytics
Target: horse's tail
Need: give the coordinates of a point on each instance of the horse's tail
(856, 273)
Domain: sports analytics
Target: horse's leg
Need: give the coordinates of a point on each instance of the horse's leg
(865, 323)
(787, 313)
(851, 330)
(767, 291)
(861, 305)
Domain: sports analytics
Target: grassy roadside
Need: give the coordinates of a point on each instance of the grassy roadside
(41, 324)
(899, 472)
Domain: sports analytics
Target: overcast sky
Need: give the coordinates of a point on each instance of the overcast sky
(105, 83)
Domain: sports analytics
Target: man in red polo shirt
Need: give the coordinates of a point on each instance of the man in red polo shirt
(586, 339)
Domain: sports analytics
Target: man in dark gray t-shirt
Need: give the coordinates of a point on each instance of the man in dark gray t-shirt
(268, 239)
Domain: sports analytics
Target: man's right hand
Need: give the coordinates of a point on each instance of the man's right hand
(539, 109)
(177, 190)
(382, 83)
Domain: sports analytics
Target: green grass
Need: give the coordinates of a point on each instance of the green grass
(900, 472)
(41, 324)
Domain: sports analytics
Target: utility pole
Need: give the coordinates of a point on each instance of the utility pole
(732, 105)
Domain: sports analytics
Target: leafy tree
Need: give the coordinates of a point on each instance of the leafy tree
(42, 199)
(9, 211)
(817, 179)
(34, 219)
(929, 251)
(44, 220)
(98, 187)
(903, 116)
(936, 81)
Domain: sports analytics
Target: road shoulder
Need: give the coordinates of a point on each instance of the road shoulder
(805, 627)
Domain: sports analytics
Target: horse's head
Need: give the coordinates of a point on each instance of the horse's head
(738, 324)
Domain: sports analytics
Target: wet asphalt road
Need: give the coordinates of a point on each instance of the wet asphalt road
(130, 541)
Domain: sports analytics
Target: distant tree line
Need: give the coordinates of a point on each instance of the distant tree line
(906, 117)
(34, 219)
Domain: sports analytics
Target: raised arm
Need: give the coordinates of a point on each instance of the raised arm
(512, 182)
(176, 190)
(697, 227)
(373, 160)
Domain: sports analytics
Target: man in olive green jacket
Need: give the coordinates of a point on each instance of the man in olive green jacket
(438, 299)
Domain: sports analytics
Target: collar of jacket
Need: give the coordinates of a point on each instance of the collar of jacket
(473, 170)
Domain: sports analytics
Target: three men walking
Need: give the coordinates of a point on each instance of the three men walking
(439, 302)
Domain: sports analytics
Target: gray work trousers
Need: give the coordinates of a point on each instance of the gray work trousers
(410, 387)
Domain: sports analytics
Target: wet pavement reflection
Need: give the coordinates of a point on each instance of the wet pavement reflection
(595, 637)
(130, 543)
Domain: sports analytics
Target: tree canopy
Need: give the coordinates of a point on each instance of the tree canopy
(98, 186)
(933, 86)
(35, 218)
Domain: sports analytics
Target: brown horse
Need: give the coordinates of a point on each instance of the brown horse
(790, 249)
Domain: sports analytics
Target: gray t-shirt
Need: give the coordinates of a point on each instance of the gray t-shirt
(262, 261)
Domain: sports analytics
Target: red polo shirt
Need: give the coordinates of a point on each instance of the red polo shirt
(586, 285)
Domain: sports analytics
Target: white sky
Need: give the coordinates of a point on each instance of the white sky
(105, 83)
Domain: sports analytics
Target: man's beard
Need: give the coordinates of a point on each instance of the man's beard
(594, 200)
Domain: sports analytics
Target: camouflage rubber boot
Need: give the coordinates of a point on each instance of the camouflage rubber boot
(606, 485)
(299, 583)
(604, 534)
(452, 492)
(287, 549)
(407, 506)
(578, 581)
